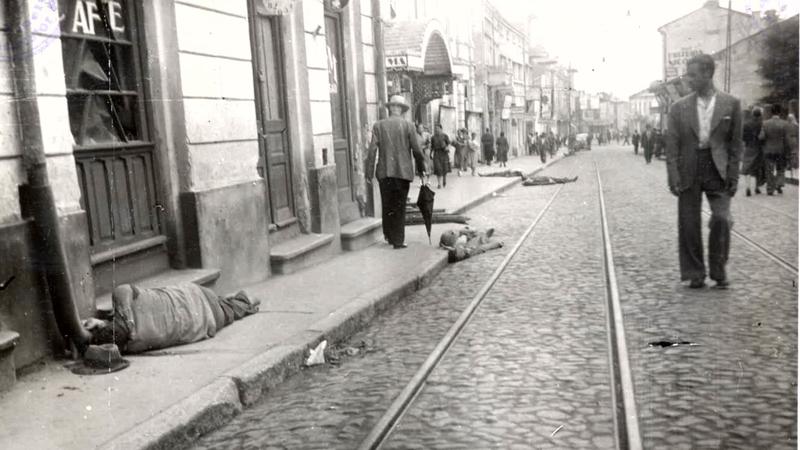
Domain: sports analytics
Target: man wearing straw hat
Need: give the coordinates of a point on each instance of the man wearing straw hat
(394, 140)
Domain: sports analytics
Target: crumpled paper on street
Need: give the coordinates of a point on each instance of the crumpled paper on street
(317, 355)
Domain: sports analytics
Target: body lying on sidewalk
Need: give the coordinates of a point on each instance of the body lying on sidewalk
(466, 242)
(153, 318)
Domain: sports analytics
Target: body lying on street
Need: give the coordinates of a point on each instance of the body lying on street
(465, 242)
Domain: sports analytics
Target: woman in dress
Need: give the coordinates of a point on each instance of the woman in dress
(753, 158)
(441, 156)
(424, 138)
(472, 152)
(502, 149)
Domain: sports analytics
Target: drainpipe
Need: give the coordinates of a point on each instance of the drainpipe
(38, 195)
(380, 60)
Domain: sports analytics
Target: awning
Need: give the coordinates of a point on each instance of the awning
(417, 46)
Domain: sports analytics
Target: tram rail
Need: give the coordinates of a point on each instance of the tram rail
(623, 399)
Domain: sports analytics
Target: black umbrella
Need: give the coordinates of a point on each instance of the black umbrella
(425, 205)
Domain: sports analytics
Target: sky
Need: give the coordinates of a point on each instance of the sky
(614, 44)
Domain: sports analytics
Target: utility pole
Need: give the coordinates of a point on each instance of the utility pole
(728, 51)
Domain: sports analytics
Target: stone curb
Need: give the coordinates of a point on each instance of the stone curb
(217, 403)
(488, 195)
(185, 421)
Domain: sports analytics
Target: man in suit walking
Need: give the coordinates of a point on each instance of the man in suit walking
(635, 139)
(395, 142)
(704, 147)
(775, 134)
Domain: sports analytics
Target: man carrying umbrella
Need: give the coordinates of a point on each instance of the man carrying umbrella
(394, 140)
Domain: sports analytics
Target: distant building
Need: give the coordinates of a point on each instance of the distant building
(703, 30)
(745, 82)
(644, 110)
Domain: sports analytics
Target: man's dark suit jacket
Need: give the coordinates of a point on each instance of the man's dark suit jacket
(397, 141)
(683, 132)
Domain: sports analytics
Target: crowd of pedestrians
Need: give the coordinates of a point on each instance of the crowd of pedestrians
(770, 147)
(466, 150)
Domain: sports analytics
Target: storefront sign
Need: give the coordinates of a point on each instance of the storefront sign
(396, 62)
(274, 7)
(87, 17)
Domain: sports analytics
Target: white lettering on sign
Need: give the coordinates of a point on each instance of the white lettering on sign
(86, 14)
(114, 14)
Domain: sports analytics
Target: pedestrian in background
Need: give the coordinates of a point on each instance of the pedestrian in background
(502, 149)
(776, 138)
(460, 145)
(627, 138)
(753, 157)
(704, 147)
(635, 139)
(791, 118)
(472, 152)
(424, 139)
(395, 143)
(531, 141)
(648, 142)
(440, 144)
(487, 144)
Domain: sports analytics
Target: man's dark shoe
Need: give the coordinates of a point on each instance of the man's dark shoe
(747, 192)
(780, 191)
(758, 191)
(697, 283)
(722, 284)
(770, 193)
(397, 246)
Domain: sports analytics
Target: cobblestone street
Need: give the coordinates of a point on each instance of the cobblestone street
(736, 388)
(531, 370)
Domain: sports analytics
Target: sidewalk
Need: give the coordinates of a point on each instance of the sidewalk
(466, 191)
(165, 399)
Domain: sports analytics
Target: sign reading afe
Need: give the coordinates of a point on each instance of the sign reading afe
(86, 13)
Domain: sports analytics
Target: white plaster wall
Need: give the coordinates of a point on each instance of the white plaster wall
(218, 92)
(318, 84)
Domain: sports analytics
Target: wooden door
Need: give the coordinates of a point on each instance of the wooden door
(275, 156)
(339, 119)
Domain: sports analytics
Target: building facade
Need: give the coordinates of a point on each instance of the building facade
(215, 142)
(703, 30)
(644, 110)
(746, 83)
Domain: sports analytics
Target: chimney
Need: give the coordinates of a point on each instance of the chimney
(711, 4)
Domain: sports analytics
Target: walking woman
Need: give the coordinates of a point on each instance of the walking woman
(753, 158)
(424, 138)
(472, 152)
(502, 149)
(441, 156)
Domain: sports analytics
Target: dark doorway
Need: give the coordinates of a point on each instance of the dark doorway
(274, 152)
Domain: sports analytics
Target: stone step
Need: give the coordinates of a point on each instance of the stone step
(361, 233)
(203, 277)
(300, 252)
(8, 370)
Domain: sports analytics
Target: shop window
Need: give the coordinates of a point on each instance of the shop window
(107, 119)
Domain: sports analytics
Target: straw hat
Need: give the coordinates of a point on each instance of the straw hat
(398, 100)
(100, 359)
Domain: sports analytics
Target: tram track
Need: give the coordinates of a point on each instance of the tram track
(626, 428)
